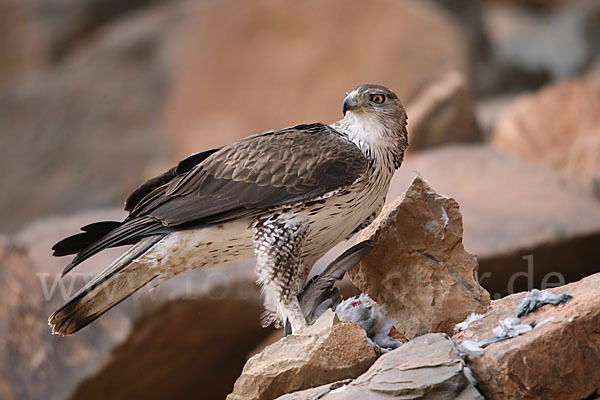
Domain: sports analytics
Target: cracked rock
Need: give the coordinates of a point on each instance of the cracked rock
(557, 359)
(428, 367)
(327, 351)
(419, 268)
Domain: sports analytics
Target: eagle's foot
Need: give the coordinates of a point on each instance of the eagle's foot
(292, 317)
(287, 328)
(296, 320)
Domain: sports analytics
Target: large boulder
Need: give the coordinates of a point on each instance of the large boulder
(525, 223)
(419, 268)
(427, 367)
(557, 359)
(250, 67)
(443, 113)
(557, 127)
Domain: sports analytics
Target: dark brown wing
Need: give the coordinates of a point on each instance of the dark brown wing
(183, 167)
(94, 232)
(262, 171)
(245, 178)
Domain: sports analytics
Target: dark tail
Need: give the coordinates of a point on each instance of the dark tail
(121, 279)
(91, 234)
(103, 235)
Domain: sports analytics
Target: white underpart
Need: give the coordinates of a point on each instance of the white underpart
(197, 248)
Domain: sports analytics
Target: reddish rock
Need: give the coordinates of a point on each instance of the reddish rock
(427, 367)
(251, 67)
(443, 113)
(557, 360)
(419, 268)
(324, 352)
(511, 210)
(557, 127)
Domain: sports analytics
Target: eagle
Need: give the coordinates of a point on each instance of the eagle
(285, 197)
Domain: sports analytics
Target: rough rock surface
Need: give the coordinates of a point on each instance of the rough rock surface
(557, 360)
(324, 352)
(427, 367)
(443, 113)
(512, 209)
(182, 329)
(71, 128)
(557, 127)
(251, 67)
(419, 268)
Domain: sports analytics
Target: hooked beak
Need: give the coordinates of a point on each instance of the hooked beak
(350, 102)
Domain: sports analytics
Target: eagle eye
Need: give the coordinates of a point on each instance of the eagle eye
(377, 98)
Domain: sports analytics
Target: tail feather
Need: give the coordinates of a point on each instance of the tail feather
(121, 279)
(128, 232)
(79, 242)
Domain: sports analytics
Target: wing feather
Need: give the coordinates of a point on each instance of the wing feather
(246, 178)
(262, 171)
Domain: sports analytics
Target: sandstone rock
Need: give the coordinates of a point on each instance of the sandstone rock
(511, 210)
(557, 359)
(347, 290)
(557, 127)
(443, 113)
(324, 352)
(191, 334)
(85, 131)
(254, 67)
(427, 367)
(419, 268)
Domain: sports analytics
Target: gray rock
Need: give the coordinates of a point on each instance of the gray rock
(427, 367)
(530, 39)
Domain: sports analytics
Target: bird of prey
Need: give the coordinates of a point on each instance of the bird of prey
(285, 196)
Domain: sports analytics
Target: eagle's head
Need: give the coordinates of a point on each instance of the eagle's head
(375, 120)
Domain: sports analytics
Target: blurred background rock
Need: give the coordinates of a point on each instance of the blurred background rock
(97, 95)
